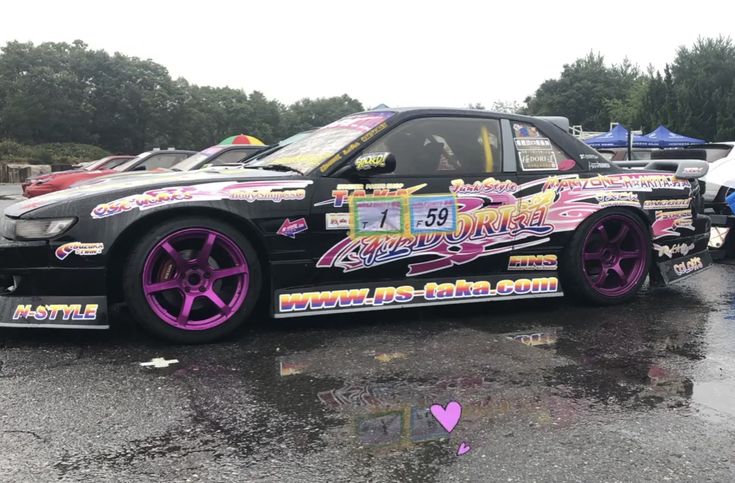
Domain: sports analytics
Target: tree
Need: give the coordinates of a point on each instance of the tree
(313, 113)
(586, 92)
(700, 90)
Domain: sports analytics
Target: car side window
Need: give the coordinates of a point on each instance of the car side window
(443, 145)
(232, 156)
(536, 152)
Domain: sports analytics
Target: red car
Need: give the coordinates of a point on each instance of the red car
(108, 162)
(147, 161)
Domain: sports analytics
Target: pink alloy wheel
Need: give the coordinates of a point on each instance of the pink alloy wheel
(615, 255)
(195, 279)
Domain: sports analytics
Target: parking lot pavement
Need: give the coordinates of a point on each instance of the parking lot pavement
(549, 391)
(9, 194)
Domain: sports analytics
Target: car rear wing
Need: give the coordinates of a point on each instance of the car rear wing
(683, 168)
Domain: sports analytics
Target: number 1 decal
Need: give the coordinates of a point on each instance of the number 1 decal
(377, 216)
(433, 214)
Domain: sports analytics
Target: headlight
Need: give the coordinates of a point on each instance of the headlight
(38, 229)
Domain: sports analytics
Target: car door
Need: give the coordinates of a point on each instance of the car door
(447, 210)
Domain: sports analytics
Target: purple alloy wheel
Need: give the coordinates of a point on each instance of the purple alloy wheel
(195, 279)
(615, 255)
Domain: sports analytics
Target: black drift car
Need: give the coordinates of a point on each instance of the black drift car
(378, 210)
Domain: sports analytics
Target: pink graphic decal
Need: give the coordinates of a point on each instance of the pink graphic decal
(251, 191)
(447, 416)
(487, 223)
(668, 222)
(463, 448)
(292, 228)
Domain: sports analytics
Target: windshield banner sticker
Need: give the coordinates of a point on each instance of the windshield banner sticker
(251, 191)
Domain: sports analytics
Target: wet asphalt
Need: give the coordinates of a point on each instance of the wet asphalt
(551, 391)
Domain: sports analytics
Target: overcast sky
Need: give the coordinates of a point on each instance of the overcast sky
(397, 52)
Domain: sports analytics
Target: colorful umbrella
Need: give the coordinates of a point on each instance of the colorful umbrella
(242, 139)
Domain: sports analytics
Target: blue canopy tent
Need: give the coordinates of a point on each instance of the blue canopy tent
(617, 137)
(661, 137)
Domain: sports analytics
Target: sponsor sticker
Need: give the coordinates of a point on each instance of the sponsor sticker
(671, 250)
(337, 221)
(79, 248)
(532, 262)
(692, 265)
(666, 204)
(292, 228)
(56, 312)
(371, 161)
(407, 294)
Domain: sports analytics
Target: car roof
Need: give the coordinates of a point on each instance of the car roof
(453, 111)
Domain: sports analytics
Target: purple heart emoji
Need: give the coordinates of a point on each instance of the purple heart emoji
(463, 448)
(448, 417)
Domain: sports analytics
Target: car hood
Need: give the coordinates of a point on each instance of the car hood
(114, 187)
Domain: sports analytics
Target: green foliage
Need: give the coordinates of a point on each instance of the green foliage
(586, 92)
(694, 95)
(61, 153)
(311, 113)
(60, 92)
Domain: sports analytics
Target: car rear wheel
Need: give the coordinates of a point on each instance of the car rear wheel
(608, 258)
(192, 280)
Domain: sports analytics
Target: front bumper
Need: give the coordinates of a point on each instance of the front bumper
(34, 293)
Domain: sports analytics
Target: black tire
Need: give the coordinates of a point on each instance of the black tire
(133, 282)
(574, 280)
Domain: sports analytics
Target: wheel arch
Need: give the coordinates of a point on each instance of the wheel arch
(118, 253)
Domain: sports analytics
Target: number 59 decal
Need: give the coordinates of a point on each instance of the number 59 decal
(433, 214)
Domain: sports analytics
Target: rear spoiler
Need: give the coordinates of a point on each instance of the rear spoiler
(683, 168)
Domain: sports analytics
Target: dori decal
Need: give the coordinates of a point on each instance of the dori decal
(79, 248)
(251, 191)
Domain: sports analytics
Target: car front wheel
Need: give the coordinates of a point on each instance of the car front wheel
(192, 280)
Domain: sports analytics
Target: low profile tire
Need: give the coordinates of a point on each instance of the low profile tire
(192, 280)
(608, 258)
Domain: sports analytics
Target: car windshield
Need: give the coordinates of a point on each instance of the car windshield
(126, 165)
(106, 164)
(309, 152)
(195, 159)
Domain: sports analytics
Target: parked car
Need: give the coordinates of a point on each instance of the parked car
(108, 162)
(230, 155)
(146, 161)
(378, 210)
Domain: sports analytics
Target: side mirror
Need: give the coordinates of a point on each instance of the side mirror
(140, 168)
(375, 163)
